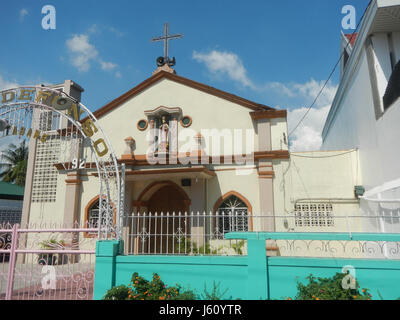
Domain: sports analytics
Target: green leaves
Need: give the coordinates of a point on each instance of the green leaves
(329, 289)
(156, 289)
(117, 293)
(215, 294)
(15, 161)
(142, 289)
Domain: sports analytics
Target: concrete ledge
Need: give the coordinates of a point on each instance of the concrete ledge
(334, 263)
(390, 237)
(186, 260)
(107, 248)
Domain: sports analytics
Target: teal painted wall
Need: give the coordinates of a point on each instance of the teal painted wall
(249, 278)
(232, 273)
(376, 275)
(189, 272)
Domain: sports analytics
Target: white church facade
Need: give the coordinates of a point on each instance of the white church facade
(191, 148)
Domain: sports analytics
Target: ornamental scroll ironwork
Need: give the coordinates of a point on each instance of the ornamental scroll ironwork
(340, 249)
(47, 114)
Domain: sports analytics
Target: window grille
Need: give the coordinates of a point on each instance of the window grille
(234, 216)
(45, 120)
(314, 215)
(93, 216)
(45, 173)
(49, 121)
(10, 215)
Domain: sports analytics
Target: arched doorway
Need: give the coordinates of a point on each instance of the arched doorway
(165, 226)
(168, 199)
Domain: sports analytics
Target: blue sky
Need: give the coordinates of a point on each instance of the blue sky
(273, 52)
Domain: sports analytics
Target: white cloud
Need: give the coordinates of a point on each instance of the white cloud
(22, 13)
(115, 31)
(96, 29)
(118, 74)
(311, 89)
(279, 87)
(83, 53)
(218, 62)
(107, 65)
(93, 29)
(7, 84)
(307, 136)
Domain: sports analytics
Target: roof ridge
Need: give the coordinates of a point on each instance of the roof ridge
(185, 81)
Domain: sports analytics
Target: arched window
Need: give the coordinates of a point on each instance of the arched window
(233, 215)
(93, 213)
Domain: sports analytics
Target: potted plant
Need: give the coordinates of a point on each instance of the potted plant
(52, 258)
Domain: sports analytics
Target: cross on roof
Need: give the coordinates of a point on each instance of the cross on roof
(166, 37)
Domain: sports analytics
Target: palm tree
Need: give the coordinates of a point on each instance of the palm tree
(14, 166)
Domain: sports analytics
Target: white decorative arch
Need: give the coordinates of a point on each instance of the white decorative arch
(21, 111)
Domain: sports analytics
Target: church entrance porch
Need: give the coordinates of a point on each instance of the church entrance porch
(160, 219)
(168, 218)
(168, 226)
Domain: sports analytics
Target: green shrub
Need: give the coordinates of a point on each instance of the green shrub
(238, 247)
(215, 294)
(189, 247)
(142, 289)
(51, 258)
(329, 289)
(117, 293)
(52, 244)
(156, 289)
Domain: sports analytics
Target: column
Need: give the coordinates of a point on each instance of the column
(198, 197)
(266, 183)
(152, 137)
(104, 279)
(173, 136)
(72, 198)
(257, 270)
(266, 187)
(264, 134)
(266, 175)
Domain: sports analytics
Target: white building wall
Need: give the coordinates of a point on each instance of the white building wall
(207, 111)
(279, 140)
(317, 178)
(355, 124)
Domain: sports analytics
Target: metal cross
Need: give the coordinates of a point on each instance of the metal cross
(166, 37)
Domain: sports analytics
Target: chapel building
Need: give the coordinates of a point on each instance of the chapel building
(210, 151)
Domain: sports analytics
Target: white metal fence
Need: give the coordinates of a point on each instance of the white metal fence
(203, 233)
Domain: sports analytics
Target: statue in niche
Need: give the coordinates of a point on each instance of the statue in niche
(164, 135)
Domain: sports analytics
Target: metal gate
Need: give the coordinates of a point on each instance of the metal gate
(47, 263)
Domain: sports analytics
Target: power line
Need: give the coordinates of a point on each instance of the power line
(321, 157)
(331, 74)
